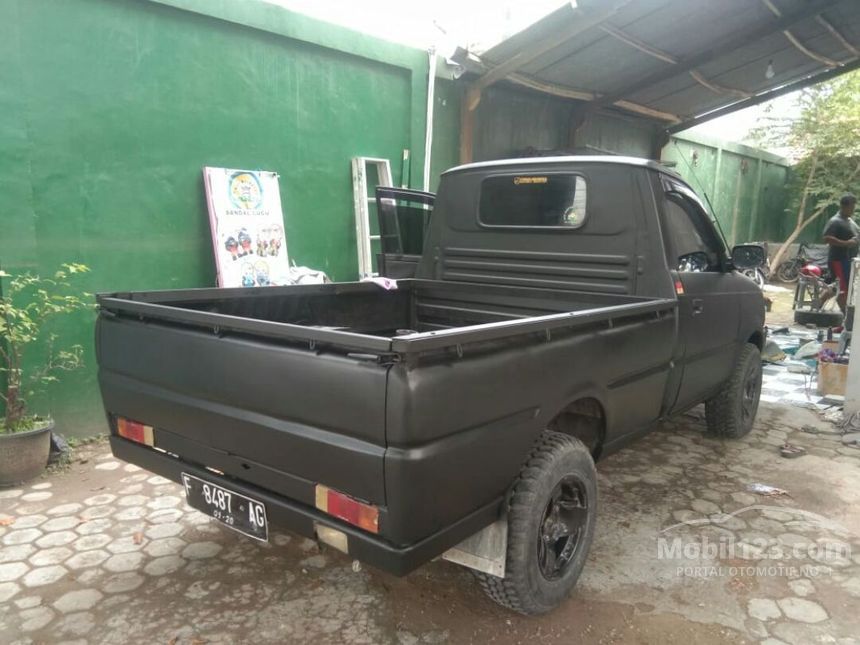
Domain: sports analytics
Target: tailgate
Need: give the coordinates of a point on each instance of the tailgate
(278, 416)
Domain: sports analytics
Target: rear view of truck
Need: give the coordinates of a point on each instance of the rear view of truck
(327, 410)
(463, 408)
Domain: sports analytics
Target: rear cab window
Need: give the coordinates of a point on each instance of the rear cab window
(541, 200)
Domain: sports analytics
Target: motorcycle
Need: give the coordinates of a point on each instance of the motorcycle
(816, 286)
(758, 274)
(816, 254)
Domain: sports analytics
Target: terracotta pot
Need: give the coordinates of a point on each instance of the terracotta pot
(24, 455)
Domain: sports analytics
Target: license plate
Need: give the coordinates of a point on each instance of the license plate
(240, 513)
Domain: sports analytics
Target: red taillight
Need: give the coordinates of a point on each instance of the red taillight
(135, 431)
(347, 509)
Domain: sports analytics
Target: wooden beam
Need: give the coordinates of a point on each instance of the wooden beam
(668, 58)
(794, 40)
(526, 55)
(735, 41)
(824, 60)
(643, 47)
(551, 88)
(467, 129)
(646, 111)
(718, 89)
(582, 95)
(837, 35)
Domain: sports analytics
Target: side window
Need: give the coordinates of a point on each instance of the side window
(404, 216)
(688, 237)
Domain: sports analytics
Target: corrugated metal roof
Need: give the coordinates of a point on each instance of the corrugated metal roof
(676, 60)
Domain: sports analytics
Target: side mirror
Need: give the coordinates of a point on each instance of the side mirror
(748, 256)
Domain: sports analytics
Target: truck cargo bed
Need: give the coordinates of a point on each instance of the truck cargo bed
(418, 315)
(283, 388)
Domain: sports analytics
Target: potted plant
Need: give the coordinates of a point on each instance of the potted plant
(27, 303)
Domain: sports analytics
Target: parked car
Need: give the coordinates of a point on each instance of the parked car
(560, 307)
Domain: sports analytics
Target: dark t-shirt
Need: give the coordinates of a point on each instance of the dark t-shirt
(842, 229)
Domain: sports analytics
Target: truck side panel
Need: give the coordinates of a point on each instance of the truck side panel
(459, 427)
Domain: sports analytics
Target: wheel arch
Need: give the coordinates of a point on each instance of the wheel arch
(757, 339)
(585, 419)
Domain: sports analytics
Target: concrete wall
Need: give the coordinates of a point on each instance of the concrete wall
(110, 108)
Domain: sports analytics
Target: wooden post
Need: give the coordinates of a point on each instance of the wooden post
(468, 105)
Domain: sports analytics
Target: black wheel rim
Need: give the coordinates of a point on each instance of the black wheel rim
(750, 394)
(562, 527)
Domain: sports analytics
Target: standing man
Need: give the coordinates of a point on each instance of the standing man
(843, 236)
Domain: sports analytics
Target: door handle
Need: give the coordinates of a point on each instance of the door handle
(698, 306)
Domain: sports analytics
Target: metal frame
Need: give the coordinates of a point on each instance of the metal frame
(361, 199)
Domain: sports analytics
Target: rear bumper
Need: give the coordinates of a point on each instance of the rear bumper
(298, 518)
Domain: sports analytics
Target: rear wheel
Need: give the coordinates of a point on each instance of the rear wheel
(756, 276)
(731, 412)
(551, 520)
(787, 271)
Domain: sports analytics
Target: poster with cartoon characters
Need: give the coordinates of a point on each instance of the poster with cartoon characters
(247, 227)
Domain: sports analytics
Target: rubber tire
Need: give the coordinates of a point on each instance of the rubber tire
(787, 271)
(756, 276)
(818, 318)
(524, 588)
(723, 411)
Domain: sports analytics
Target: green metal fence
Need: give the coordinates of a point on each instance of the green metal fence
(746, 186)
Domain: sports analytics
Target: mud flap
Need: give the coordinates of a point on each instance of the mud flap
(484, 551)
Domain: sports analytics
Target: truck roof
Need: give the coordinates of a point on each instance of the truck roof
(593, 159)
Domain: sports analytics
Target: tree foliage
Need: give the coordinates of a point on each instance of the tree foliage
(824, 138)
(28, 303)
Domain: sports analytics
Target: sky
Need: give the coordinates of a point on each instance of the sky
(480, 24)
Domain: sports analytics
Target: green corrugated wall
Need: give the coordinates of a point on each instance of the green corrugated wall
(746, 186)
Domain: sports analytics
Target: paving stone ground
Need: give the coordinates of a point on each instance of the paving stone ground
(107, 553)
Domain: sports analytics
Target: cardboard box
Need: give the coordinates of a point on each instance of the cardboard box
(832, 378)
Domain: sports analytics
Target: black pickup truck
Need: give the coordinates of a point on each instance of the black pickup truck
(560, 307)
